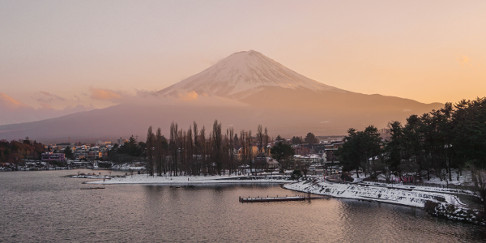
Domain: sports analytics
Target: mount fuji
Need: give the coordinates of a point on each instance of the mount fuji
(241, 74)
(242, 91)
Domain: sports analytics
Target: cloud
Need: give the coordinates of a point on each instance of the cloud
(47, 97)
(10, 102)
(189, 96)
(145, 93)
(104, 94)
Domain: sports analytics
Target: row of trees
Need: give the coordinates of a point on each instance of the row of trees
(359, 147)
(194, 151)
(17, 151)
(435, 142)
(451, 137)
(310, 138)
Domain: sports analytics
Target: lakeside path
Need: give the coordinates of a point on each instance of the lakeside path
(188, 180)
(414, 196)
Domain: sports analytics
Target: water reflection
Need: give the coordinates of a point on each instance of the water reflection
(43, 206)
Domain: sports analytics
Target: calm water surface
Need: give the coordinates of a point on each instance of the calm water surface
(45, 206)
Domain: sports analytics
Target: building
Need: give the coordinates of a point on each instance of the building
(331, 150)
(263, 162)
(53, 157)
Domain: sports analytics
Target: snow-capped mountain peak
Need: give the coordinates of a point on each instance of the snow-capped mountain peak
(243, 73)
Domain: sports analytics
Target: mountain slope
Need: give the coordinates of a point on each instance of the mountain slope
(241, 74)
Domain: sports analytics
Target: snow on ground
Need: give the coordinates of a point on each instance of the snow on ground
(127, 167)
(404, 196)
(464, 178)
(421, 188)
(189, 180)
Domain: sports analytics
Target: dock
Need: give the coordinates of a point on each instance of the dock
(276, 199)
(91, 188)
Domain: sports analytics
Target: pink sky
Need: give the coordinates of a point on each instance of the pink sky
(58, 54)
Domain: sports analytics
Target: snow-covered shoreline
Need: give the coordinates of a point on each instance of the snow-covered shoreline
(408, 195)
(188, 180)
(414, 197)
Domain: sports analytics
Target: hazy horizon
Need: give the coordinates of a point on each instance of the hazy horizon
(62, 58)
(243, 90)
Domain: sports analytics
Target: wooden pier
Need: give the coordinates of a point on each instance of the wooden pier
(92, 188)
(276, 199)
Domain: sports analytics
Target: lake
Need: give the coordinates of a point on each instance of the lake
(46, 206)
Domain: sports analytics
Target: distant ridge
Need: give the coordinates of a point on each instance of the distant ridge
(242, 91)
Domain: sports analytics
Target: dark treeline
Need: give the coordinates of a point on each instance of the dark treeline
(130, 151)
(17, 151)
(195, 151)
(453, 137)
(310, 138)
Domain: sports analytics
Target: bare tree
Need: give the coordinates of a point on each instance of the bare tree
(217, 146)
(204, 150)
(160, 153)
(196, 170)
(230, 133)
(259, 137)
(150, 151)
(189, 151)
(173, 147)
(266, 140)
(249, 150)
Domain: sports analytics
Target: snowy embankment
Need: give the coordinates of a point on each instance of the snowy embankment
(421, 188)
(414, 197)
(189, 180)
